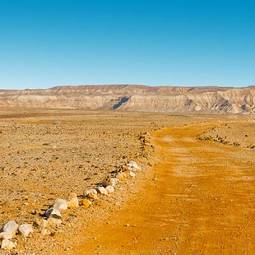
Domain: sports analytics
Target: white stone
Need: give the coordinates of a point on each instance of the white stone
(132, 165)
(110, 189)
(110, 181)
(60, 204)
(73, 201)
(26, 229)
(91, 193)
(102, 190)
(11, 227)
(55, 213)
(6, 235)
(8, 244)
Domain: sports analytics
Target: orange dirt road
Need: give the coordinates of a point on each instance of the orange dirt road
(200, 200)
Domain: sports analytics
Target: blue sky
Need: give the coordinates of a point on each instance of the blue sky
(44, 43)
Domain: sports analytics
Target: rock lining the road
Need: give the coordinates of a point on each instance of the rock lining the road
(51, 220)
(53, 217)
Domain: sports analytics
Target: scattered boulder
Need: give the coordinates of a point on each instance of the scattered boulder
(60, 204)
(109, 189)
(8, 244)
(91, 193)
(26, 229)
(102, 190)
(86, 203)
(73, 201)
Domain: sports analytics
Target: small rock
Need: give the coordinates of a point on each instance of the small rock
(102, 190)
(33, 212)
(26, 229)
(109, 189)
(8, 244)
(60, 204)
(91, 193)
(132, 165)
(53, 213)
(6, 235)
(11, 228)
(86, 203)
(73, 201)
(48, 212)
(110, 181)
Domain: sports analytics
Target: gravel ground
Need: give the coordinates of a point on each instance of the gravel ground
(235, 133)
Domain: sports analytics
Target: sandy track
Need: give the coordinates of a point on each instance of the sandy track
(200, 200)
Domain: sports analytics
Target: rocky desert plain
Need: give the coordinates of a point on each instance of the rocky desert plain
(122, 169)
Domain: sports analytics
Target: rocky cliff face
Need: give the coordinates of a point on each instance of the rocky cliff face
(135, 98)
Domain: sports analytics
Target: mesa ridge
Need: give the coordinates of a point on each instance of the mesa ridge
(137, 98)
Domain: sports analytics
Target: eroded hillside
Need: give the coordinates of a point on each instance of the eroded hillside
(135, 98)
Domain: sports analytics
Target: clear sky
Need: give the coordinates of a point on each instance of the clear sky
(44, 43)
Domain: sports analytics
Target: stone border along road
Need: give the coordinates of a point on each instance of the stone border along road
(52, 217)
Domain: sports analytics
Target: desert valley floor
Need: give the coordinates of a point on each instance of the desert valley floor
(194, 193)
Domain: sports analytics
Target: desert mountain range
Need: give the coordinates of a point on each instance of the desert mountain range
(135, 98)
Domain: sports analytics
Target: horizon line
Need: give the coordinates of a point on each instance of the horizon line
(132, 84)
